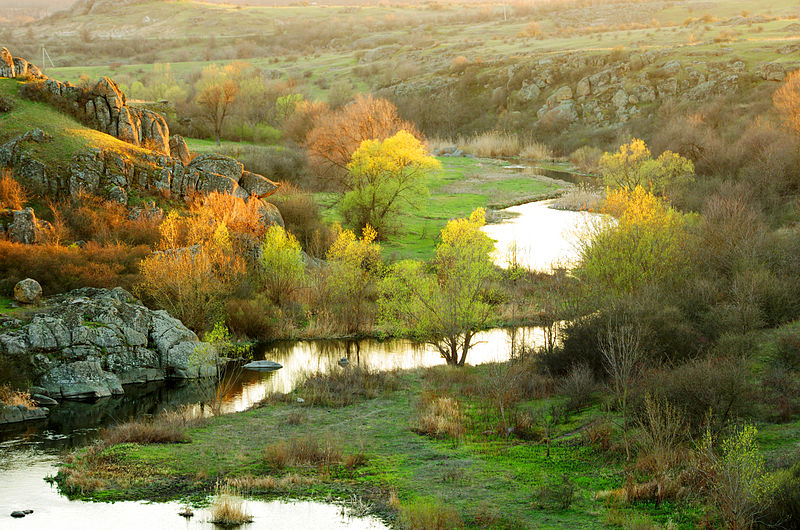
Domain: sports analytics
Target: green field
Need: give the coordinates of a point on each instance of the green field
(504, 474)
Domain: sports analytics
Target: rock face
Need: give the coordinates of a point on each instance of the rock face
(165, 164)
(18, 413)
(27, 291)
(90, 342)
(25, 228)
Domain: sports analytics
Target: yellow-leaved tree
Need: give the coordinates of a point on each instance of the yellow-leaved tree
(195, 270)
(445, 303)
(633, 165)
(385, 178)
(647, 244)
(350, 281)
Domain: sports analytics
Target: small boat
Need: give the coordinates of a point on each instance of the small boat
(264, 366)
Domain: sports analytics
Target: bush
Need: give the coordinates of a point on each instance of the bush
(726, 391)
(586, 159)
(256, 318)
(59, 269)
(228, 508)
(305, 451)
(6, 104)
(784, 507)
(344, 386)
(12, 194)
(282, 268)
(11, 397)
(556, 493)
(276, 163)
(787, 349)
(301, 217)
(578, 386)
(167, 427)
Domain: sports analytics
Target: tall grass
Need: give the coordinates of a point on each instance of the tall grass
(229, 508)
(427, 514)
(341, 387)
(499, 144)
(440, 417)
(167, 427)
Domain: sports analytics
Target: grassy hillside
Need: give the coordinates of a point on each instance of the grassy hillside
(69, 137)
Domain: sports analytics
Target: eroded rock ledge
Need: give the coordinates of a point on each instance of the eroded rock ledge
(90, 342)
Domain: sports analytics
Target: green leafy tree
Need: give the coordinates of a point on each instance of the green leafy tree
(385, 178)
(282, 267)
(647, 244)
(447, 303)
(350, 282)
(633, 165)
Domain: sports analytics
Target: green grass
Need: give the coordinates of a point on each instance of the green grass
(462, 185)
(480, 471)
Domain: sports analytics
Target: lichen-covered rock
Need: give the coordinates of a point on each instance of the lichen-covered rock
(179, 150)
(257, 185)
(217, 164)
(89, 342)
(268, 214)
(6, 64)
(27, 291)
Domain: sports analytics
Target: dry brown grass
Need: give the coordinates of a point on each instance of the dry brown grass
(491, 144)
(305, 451)
(440, 417)
(12, 194)
(534, 150)
(9, 396)
(229, 508)
(167, 427)
(579, 199)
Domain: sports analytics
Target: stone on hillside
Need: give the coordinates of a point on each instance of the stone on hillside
(268, 214)
(20, 67)
(86, 170)
(620, 99)
(257, 185)
(219, 164)
(584, 87)
(23, 227)
(672, 68)
(772, 71)
(529, 92)
(563, 94)
(6, 64)
(154, 131)
(27, 291)
(209, 182)
(179, 150)
(118, 195)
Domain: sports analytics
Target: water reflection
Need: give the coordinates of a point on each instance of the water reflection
(539, 237)
(323, 356)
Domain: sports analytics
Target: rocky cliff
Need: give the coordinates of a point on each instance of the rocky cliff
(154, 161)
(88, 343)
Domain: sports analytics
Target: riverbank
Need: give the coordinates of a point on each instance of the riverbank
(383, 450)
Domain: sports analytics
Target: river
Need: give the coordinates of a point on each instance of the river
(30, 452)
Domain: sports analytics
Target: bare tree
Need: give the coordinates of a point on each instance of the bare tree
(215, 103)
(622, 354)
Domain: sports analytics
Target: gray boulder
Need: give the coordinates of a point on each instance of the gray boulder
(217, 164)
(27, 291)
(87, 343)
(257, 185)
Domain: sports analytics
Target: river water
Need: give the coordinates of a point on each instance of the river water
(30, 452)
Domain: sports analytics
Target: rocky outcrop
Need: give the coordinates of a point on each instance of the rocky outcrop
(18, 413)
(26, 228)
(164, 164)
(90, 342)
